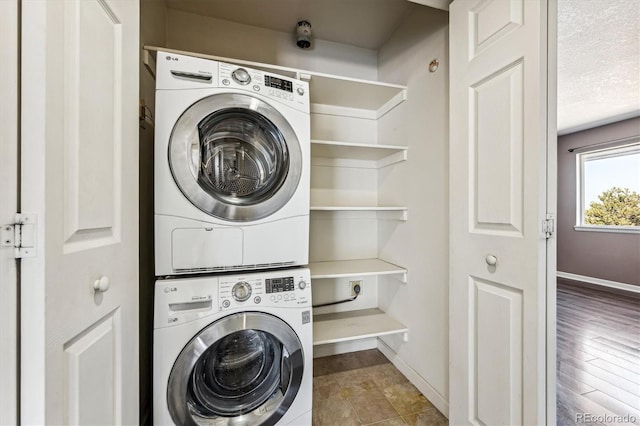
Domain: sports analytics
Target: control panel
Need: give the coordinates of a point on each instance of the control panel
(278, 288)
(288, 90)
(178, 301)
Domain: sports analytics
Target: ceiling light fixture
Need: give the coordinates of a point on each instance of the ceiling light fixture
(303, 34)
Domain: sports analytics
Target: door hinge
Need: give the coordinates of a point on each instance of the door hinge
(21, 235)
(549, 226)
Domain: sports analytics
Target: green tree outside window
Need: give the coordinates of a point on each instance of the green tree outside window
(617, 206)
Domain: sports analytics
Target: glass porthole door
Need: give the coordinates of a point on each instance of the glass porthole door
(246, 368)
(235, 157)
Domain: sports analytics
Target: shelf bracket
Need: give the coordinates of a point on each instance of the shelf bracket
(391, 104)
(402, 215)
(392, 159)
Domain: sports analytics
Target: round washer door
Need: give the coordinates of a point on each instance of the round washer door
(246, 367)
(235, 157)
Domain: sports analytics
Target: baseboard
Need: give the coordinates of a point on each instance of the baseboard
(599, 281)
(423, 386)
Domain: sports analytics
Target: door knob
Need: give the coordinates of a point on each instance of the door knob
(491, 260)
(101, 285)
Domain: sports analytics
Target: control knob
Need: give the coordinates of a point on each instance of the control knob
(241, 291)
(302, 284)
(241, 76)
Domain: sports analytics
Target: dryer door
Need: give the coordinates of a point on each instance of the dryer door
(245, 368)
(235, 157)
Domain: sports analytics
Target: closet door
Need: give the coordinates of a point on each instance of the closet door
(498, 184)
(79, 178)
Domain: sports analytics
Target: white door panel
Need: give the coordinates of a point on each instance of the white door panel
(498, 177)
(79, 175)
(92, 124)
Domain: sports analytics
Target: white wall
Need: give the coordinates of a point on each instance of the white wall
(421, 183)
(202, 34)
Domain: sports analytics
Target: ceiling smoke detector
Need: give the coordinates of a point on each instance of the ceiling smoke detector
(303, 34)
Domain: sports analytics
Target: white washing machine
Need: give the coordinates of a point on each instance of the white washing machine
(232, 165)
(233, 350)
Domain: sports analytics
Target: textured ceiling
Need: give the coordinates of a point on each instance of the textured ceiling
(598, 43)
(362, 23)
(598, 62)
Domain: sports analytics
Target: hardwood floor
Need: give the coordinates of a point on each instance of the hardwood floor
(598, 358)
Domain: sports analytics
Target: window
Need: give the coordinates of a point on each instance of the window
(609, 189)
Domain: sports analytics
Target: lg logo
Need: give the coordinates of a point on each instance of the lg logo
(170, 58)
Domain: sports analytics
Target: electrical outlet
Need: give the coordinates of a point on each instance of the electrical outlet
(352, 286)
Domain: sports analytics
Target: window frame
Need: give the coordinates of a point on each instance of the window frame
(629, 147)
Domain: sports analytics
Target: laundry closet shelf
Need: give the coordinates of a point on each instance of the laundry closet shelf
(351, 268)
(378, 155)
(383, 212)
(359, 208)
(325, 89)
(354, 325)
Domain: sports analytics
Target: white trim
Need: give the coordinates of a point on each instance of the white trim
(611, 229)
(9, 351)
(599, 281)
(423, 386)
(630, 146)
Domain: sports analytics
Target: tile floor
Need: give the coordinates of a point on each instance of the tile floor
(364, 388)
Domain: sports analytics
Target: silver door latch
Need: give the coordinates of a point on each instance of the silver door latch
(21, 235)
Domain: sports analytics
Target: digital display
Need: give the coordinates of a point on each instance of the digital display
(278, 83)
(278, 285)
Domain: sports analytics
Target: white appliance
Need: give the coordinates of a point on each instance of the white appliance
(232, 165)
(233, 349)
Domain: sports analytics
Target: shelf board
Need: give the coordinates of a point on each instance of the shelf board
(324, 89)
(359, 208)
(354, 325)
(383, 212)
(347, 92)
(350, 268)
(382, 155)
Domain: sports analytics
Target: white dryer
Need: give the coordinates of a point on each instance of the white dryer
(233, 350)
(232, 165)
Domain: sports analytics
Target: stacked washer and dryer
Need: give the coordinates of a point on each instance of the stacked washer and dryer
(232, 318)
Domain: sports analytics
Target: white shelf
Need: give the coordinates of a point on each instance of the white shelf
(325, 89)
(359, 208)
(350, 268)
(383, 212)
(354, 325)
(346, 92)
(379, 155)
